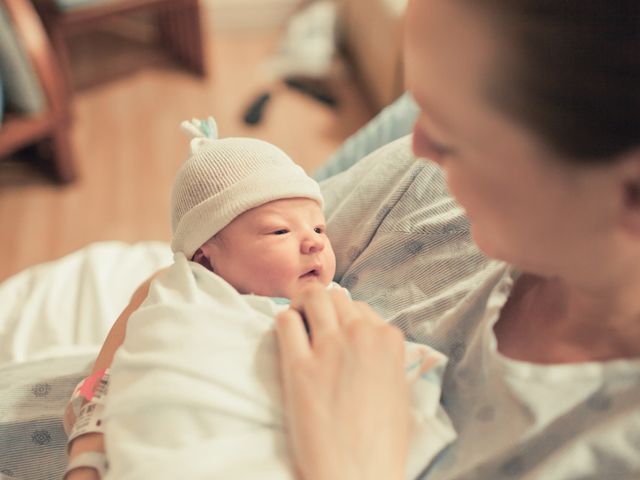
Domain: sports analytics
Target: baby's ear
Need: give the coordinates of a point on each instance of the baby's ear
(203, 259)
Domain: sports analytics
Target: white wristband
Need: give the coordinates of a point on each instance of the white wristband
(94, 387)
(95, 460)
(89, 421)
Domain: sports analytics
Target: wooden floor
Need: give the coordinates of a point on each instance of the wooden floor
(128, 103)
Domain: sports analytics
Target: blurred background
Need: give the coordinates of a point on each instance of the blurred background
(93, 92)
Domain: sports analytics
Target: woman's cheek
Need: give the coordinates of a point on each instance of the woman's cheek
(465, 191)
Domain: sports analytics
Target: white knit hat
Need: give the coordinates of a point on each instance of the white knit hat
(223, 178)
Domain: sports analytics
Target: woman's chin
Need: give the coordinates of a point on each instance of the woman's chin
(524, 261)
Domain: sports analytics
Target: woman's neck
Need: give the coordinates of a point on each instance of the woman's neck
(550, 321)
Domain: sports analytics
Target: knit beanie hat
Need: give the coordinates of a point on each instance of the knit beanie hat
(223, 178)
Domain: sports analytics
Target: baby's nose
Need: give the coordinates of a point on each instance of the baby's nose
(312, 244)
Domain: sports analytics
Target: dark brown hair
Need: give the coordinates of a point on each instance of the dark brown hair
(571, 72)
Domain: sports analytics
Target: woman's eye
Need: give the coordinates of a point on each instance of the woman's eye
(442, 151)
(426, 147)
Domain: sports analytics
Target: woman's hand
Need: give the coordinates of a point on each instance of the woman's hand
(346, 396)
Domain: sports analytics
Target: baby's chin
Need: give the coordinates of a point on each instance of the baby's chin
(290, 290)
(304, 283)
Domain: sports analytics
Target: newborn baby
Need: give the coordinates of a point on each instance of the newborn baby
(194, 389)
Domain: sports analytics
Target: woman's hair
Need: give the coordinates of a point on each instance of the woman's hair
(571, 72)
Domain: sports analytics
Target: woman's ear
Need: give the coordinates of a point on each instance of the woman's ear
(203, 257)
(631, 193)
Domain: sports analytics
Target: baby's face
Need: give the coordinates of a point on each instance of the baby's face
(274, 249)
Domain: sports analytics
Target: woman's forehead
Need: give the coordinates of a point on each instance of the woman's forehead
(451, 53)
(448, 46)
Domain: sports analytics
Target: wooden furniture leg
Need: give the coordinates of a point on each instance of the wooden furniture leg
(178, 21)
(53, 124)
(181, 34)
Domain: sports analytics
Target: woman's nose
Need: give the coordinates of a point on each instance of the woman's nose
(312, 244)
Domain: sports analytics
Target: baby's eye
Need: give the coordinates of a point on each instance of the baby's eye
(282, 231)
(319, 229)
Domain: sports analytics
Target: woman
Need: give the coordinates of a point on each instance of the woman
(532, 110)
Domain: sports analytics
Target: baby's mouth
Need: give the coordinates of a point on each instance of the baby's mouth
(313, 273)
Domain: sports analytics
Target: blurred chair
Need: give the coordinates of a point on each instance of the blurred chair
(372, 33)
(178, 22)
(38, 108)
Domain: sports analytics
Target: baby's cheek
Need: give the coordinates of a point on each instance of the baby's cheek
(327, 276)
(281, 280)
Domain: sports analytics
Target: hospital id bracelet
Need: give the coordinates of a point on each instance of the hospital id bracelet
(89, 421)
(95, 385)
(95, 460)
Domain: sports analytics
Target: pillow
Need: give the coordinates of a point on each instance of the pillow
(67, 306)
(22, 89)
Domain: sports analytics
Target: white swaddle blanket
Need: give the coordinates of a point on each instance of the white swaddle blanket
(195, 388)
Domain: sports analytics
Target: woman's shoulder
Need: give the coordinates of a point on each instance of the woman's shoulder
(403, 244)
(390, 192)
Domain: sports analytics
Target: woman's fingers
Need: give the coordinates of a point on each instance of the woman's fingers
(292, 335)
(368, 313)
(345, 308)
(327, 311)
(347, 400)
(316, 306)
